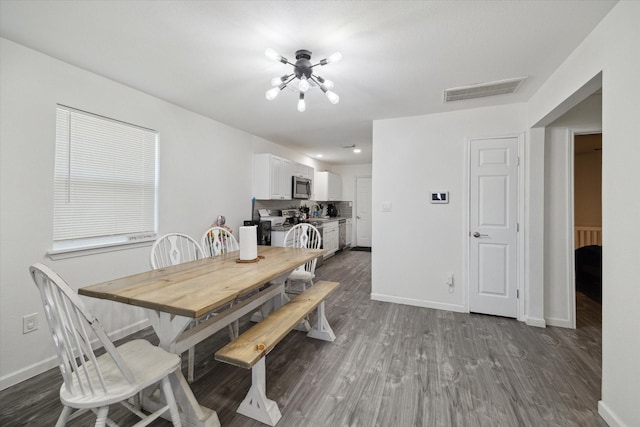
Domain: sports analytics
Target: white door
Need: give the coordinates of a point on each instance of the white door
(363, 212)
(493, 237)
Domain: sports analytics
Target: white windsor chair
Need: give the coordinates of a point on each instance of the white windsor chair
(94, 382)
(302, 236)
(173, 249)
(217, 241)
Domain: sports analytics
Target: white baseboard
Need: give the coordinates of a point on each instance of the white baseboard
(609, 416)
(51, 362)
(562, 323)
(535, 321)
(419, 303)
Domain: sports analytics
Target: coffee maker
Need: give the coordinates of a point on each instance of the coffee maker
(332, 211)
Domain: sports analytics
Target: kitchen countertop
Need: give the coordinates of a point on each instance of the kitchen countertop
(320, 222)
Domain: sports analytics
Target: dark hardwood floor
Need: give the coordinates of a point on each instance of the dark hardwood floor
(390, 366)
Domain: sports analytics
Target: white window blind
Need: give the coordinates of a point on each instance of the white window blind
(104, 180)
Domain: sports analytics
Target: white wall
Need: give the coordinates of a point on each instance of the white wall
(558, 245)
(205, 170)
(418, 243)
(612, 48)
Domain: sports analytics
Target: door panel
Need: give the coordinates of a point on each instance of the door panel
(493, 226)
(493, 214)
(493, 269)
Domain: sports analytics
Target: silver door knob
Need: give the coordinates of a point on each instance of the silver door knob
(476, 235)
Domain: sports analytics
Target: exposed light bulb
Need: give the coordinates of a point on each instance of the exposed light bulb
(304, 84)
(333, 98)
(334, 57)
(328, 84)
(301, 105)
(357, 150)
(276, 81)
(272, 54)
(272, 93)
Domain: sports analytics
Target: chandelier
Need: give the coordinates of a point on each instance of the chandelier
(302, 77)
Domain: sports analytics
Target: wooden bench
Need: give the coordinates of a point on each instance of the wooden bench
(250, 348)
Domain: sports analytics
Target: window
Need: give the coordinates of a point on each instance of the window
(104, 182)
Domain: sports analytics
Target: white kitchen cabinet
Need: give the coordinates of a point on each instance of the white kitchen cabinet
(304, 171)
(327, 186)
(271, 177)
(330, 240)
(349, 229)
(277, 238)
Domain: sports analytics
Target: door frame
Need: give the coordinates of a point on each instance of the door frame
(572, 131)
(466, 197)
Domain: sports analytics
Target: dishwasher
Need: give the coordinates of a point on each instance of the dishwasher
(320, 259)
(342, 234)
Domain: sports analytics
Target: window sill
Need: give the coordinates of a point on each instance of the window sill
(58, 254)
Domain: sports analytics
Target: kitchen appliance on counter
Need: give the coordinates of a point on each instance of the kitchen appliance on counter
(301, 187)
(266, 215)
(332, 210)
(263, 229)
(291, 216)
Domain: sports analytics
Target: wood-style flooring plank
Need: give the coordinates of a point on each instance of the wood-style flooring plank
(390, 366)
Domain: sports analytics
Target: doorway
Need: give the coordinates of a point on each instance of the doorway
(587, 218)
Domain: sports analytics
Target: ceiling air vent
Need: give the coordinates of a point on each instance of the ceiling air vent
(483, 90)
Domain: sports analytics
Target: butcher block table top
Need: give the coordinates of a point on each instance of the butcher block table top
(193, 289)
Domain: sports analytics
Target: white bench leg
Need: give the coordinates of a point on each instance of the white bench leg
(256, 405)
(322, 330)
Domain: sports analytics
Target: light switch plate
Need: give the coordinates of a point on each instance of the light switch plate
(386, 206)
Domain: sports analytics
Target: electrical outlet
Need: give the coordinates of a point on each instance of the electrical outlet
(30, 323)
(386, 206)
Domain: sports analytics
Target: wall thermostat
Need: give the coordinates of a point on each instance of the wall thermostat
(442, 197)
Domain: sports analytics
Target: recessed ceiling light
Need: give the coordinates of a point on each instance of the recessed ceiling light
(319, 155)
(357, 150)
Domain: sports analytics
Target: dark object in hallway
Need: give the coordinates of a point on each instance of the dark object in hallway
(589, 271)
(361, 248)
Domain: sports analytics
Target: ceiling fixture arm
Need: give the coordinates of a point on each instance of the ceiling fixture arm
(273, 92)
(272, 54)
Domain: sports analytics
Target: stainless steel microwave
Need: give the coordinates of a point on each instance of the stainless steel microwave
(301, 188)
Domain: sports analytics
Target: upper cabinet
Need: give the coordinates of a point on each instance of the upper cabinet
(327, 186)
(272, 176)
(303, 171)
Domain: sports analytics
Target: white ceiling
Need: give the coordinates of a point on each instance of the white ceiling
(398, 57)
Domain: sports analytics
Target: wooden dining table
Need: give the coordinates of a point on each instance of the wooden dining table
(173, 297)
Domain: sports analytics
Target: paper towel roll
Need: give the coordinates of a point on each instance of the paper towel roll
(248, 243)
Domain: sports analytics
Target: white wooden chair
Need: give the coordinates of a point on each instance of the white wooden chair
(302, 236)
(173, 249)
(217, 241)
(94, 382)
